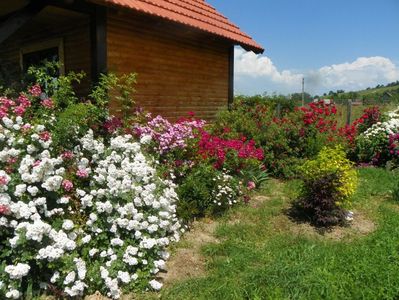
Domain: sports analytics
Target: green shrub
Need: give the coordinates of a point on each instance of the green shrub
(329, 181)
(205, 192)
(73, 123)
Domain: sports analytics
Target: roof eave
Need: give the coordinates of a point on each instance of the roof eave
(254, 49)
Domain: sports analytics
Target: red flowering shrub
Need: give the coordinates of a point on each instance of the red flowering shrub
(371, 116)
(233, 153)
(317, 114)
(299, 133)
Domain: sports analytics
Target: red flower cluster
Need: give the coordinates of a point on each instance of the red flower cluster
(370, 116)
(112, 124)
(214, 147)
(315, 114)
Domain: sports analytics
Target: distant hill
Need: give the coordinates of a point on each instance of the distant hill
(379, 90)
(380, 93)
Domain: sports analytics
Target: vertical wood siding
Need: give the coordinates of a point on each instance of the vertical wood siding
(179, 69)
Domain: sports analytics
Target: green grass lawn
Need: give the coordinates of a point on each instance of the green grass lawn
(265, 255)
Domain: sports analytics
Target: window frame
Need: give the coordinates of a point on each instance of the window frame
(39, 46)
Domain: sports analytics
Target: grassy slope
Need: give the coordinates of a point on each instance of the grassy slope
(371, 92)
(378, 90)
(263, 257)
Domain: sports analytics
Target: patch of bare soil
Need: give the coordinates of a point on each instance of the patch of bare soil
(187, 261)
(96, 296)
(257, 201)
(360, 226)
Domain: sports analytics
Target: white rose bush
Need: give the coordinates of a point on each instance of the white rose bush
(378, 144)
(92, 218)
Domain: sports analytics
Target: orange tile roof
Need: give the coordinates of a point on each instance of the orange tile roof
(194, 13)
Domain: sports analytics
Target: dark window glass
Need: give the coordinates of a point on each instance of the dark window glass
(37, 58)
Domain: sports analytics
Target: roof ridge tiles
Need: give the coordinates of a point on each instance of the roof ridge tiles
(194, 13)
(226, 25)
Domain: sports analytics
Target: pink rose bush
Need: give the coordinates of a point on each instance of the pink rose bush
(186, 149)
(170, 136)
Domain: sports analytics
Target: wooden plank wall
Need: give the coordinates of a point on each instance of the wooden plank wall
(179, 69)
(53, 23)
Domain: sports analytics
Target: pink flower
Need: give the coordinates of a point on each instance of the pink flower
(3, 180)
(24, 101)
(12, 160)
(35, 90)
(112, 124)
(67, 155)
(251, 185)
(36, 163)
(6, 104)
(67, 185)
(45, 136)
(4, 210)
(26, 128)
(3, 113)
(48, 103)
(19, 110)
(82, 173)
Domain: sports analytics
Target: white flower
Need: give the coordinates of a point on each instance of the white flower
(124, 276)
(93, 252)
(55, 277)
(116, 242)
(13, 294)
(81, 267)
(33, 190)
(67, 225)
(86, 239)
(20, 189)
(50, 253)
(70, 278)
(148, 243)
(145, 139)
(18, 271)
(52, 183)
(155, 285)
(7, 122)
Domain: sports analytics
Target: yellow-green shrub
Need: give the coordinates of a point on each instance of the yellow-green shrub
(329, 181)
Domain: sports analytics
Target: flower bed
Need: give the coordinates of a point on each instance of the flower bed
(96, 217)
(90, 203)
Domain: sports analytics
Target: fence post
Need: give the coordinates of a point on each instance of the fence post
(279, 110)
(348, 112)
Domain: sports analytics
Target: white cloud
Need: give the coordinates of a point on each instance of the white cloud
(253, 65)
(257, 74)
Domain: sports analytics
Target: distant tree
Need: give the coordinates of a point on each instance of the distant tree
(298, 96)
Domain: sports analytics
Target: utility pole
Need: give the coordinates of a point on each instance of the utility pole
(303, 91)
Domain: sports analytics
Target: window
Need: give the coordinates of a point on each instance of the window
(34, 55)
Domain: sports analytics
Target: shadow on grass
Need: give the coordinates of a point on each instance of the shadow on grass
(296, 213)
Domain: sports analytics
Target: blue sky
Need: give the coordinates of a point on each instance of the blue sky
(334, 44)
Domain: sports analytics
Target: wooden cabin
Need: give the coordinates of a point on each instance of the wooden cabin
(181, 50)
